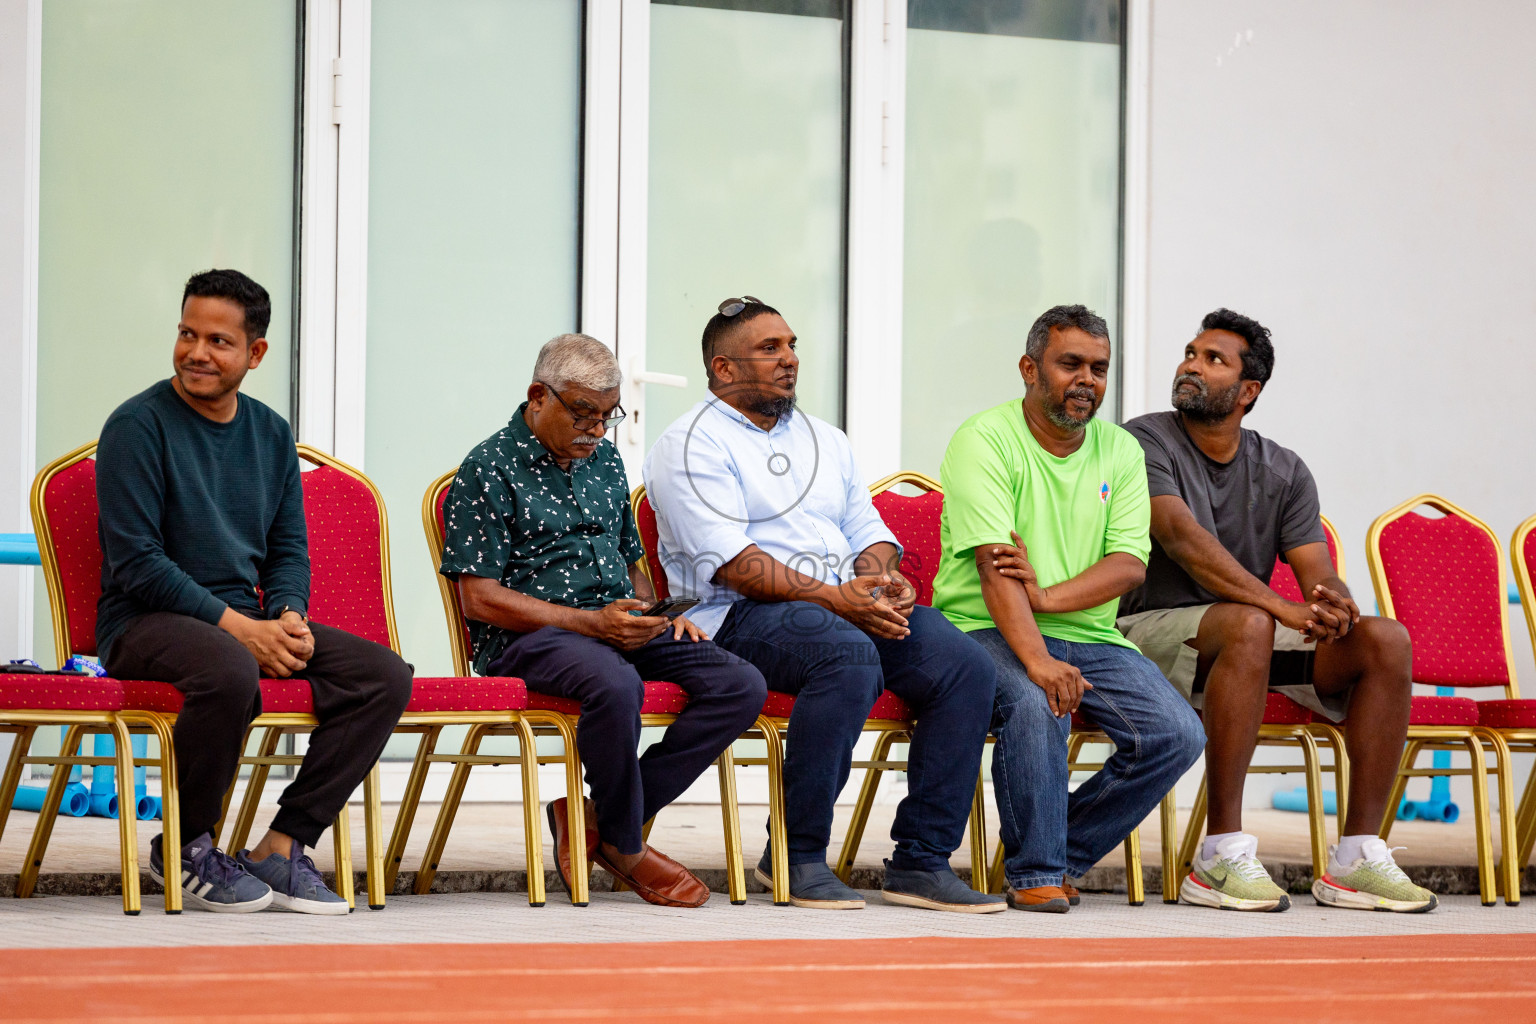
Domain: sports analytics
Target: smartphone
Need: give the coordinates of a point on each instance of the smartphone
(672, 607)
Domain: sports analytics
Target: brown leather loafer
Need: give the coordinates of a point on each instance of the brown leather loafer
(559, 828)
(660, 880)
(1044, 899)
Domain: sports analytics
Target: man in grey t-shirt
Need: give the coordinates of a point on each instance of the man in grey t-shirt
(1226, 503)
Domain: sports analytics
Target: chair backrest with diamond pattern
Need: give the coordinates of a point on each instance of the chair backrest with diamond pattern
(1283, 580)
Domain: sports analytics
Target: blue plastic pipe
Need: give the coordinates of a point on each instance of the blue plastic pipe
(1296, 800)
(104, 782)
(76, 800)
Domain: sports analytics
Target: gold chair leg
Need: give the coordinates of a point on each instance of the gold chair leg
(445, 814)
(995, 881)
(229, 794)
(170, 807)
(1509, 842)
(1168, 812)
(979, 835)
(1316, 823)
(1526, 823)
(778, 830)
(533, 827)
(410, 801)
(1334, 738)
(575, 812)
(341, 842)
(1192, 832)
(1487, 881)
(730, 813)
(1135, 890)
(21, 743)
(27, 880)
(861, 808)
(240, 836)
(127, 817)
(1399, 787)
(373, 837)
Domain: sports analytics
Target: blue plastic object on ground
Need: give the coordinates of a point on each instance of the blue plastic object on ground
(1296, 800)
(76, 801)
(101, 798)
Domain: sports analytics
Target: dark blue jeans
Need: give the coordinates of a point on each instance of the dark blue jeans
(725, 695)
(836, 671)
(1046, 831)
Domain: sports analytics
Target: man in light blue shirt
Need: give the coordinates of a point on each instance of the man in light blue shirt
(764, 517)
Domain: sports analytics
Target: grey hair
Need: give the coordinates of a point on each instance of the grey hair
(1081, 317)
(577, 359)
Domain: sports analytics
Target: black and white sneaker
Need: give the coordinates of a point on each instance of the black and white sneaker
(210, 878)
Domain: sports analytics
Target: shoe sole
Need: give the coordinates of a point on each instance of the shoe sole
(1354, 899)
(907, 899)
(196, 902)
(767, 881)
(1199, 895)
(295, 905)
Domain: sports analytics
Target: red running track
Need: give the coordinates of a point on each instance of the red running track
(1401, 979)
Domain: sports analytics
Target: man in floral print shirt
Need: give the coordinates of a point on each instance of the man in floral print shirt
(542, 542)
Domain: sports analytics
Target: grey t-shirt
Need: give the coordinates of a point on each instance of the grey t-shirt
(1262, 503)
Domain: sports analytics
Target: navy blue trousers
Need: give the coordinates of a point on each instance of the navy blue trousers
(725, 695)
(836, 671)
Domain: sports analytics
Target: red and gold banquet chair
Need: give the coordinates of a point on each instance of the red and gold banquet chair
(64, 520)
(65, 514)
(348, 529)
(1518, 724)
(662, 703)
(1286, 724)
(1422, 567)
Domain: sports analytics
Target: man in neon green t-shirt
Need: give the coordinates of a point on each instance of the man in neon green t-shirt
(1071, 493)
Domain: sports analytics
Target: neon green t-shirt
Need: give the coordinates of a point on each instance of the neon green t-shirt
(1070, 512)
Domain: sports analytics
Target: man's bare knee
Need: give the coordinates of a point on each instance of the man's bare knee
(1242, 626)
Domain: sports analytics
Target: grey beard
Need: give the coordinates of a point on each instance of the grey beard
(1057, 414)
(1202, 405)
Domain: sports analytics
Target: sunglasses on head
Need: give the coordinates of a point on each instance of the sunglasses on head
(730, 307)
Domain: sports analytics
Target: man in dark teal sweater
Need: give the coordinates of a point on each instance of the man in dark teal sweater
(205, 585)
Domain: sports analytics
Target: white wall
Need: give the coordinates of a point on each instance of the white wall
(1359, 177)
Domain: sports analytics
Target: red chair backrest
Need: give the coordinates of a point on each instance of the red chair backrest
(69, 508)
(914, 519)
(1443, 579)
(645, 522)
(438, 504)
(1283, 580)
(346, 553)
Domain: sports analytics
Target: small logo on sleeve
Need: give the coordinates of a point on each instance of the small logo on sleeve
(1104, 492)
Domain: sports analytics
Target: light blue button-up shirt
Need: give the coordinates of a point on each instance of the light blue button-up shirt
(719, 484)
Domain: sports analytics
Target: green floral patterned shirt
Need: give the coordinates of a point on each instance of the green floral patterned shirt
(513, 515)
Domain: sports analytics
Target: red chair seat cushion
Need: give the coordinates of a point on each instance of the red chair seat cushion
(29, 692)
(479, 693)
(660, 699)
(278, 696)
(1443, 711)
(1507, 714)
(888, 707)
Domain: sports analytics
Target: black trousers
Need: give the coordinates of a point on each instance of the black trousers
(360, 687)
(725, 695)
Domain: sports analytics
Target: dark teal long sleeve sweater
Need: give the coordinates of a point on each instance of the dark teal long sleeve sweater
(196, 515)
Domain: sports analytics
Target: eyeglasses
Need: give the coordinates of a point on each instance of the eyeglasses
(581, 422)
(730, 307)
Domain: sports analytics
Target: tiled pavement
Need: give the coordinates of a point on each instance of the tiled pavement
(98, 921)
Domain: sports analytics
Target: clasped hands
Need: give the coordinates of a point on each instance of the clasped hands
(281, 646)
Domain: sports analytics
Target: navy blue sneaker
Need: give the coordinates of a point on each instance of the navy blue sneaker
(812, 886)
(296, 883)
(937, 890)
(211, 879)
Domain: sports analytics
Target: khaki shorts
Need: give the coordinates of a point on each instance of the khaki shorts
(1161, 635)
